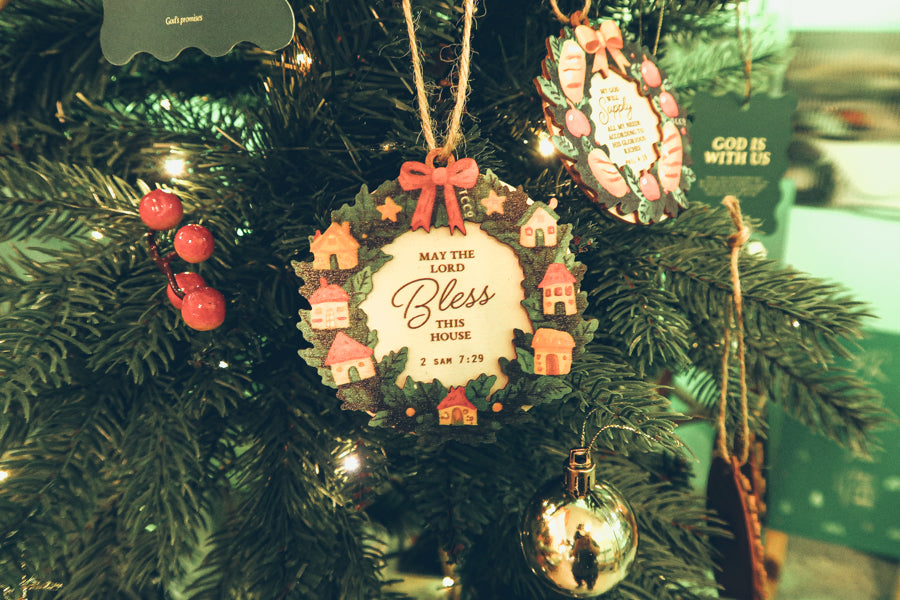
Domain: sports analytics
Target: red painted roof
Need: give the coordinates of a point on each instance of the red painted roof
(456, 397)
(345, 348)
(556, 273)
(328, 293)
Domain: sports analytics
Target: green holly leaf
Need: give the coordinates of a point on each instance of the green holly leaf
(478, 390)
(583, 332)
(393, 364)
(360, 286)
(380, 419)
(534, 308)
(357, 398)
(525, 360)
(565, 146)
(551, 92)
(555, 44)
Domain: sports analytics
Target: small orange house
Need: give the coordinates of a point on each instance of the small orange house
(349, 360)
(335, 249)
(552, 351)
(558, 285)
(537, 227)
(330, 307)
(455, 408)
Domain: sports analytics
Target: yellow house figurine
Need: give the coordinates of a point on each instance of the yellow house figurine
(552, 351)
(455, 408)
(335, 249)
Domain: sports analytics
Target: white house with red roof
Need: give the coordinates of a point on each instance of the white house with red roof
(558, 287)
(330, 306)
(349, 360)
(455, 408)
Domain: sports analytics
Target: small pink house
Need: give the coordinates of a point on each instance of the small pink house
(558, 287)
(349, 360)
(552, 351)
(455, 408)
(538, 227)
(330, 307)
(335, 249)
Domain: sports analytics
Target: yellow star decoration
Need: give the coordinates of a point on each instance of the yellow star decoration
(389, 210)
(493, 203)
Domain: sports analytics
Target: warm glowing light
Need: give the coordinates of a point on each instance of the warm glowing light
(304, 60)
(165, 103)
(352, 463)
(448, 582)
(96, 235)
(223, 364)
(758, 249)
(796, 323)
(545, 146)
(3, 475)
(174, 167)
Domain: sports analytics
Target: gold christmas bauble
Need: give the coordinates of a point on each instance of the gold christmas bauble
(579, 536)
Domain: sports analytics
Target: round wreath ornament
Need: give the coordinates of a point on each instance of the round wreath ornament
(445, 301)
(613, 117)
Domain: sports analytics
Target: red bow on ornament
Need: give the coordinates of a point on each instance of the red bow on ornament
(424, 176)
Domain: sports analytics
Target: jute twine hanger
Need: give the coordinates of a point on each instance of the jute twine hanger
(735, 313)
(736, 306)
(443, 151)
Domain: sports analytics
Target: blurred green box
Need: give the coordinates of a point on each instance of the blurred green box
(816, 489)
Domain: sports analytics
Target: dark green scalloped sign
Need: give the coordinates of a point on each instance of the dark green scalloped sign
(742, 151)
(166, 27)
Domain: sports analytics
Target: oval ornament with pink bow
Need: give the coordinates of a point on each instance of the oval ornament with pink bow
(616, 122)
(444, 302)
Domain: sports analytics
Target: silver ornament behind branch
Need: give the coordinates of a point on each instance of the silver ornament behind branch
(579, 536)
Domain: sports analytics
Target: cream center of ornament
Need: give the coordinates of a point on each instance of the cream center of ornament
(624, 121)
(452, 300)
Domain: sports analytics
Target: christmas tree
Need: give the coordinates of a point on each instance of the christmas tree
(147, 459)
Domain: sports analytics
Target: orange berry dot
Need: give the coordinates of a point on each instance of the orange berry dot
(496, 407)
(410, 411)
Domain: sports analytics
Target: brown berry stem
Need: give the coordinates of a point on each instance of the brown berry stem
(163, 263)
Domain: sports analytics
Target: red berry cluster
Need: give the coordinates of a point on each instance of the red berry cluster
(202, 307)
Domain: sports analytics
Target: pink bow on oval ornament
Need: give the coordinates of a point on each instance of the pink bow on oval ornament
(600, 41)
(424, 176)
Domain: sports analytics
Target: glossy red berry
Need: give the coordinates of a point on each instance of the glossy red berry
(160, 210)
(203, 309)
(194, 243)
(188, 282)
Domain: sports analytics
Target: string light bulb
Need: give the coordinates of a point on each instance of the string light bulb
(352, 463)
(174, 167)
(545, 145)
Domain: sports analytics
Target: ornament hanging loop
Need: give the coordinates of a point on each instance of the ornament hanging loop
(579, 473)
(582, 14)
(451, 139)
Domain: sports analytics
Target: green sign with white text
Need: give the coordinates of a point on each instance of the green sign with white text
(164, 28)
